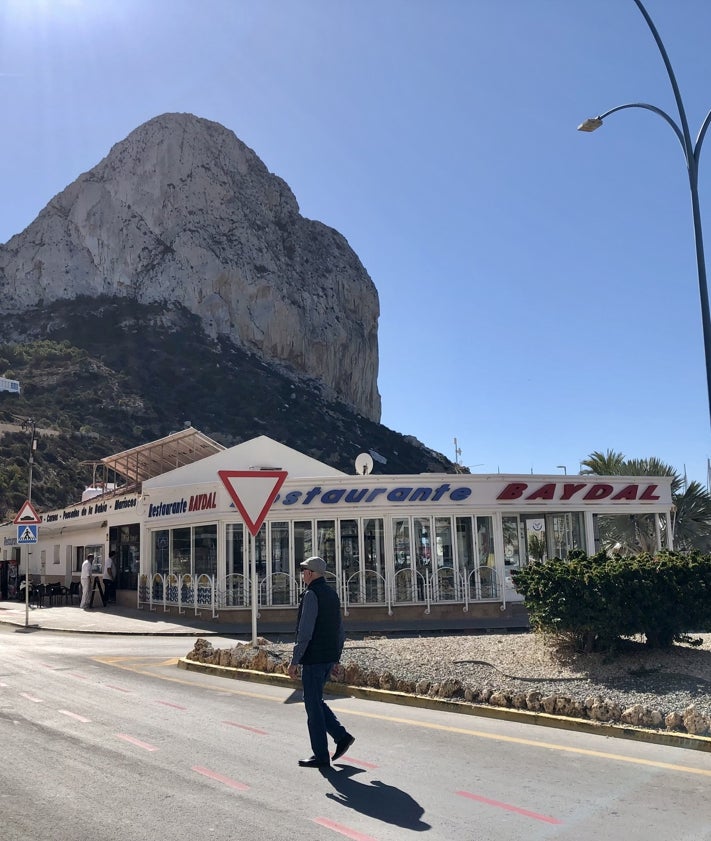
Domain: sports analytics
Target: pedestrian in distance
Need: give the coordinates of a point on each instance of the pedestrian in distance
(319, 643)
(109, 579)
(86, 582)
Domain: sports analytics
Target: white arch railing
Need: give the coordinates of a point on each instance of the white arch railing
(411, 587)
(365, 587)
(182, 591)
(483, 582)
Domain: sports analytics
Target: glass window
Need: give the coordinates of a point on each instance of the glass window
(374, 539)
(326, 543)
(465, 544)
(161, 562)
(98, 553)
(567, 532)
(512, 555)
(350, 551)
(180, 550)
(205, 550)
(235, 590)
(401, 542)
(374, 560)
(235, 549)
(260, 551)
(280, 547)
(422, 543)
(303, 541)
(536, 538)
(485, 541)
(444, 557)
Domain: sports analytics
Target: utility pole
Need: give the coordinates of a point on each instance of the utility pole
(29, 424)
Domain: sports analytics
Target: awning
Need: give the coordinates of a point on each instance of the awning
(158, 457)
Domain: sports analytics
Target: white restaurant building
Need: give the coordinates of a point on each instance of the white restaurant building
(408, 551)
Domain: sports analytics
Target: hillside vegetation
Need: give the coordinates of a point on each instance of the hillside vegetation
(109, 374)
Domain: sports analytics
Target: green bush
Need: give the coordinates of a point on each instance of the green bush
(592, 602)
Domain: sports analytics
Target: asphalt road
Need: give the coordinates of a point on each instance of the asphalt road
(104, 738)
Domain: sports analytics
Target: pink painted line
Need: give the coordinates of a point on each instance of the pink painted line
(174, 706)
(245, 727)
(74, 674)
(49, 666)
(213, 775)
(344, 830)
(360, 762)
(509, 808)
(76, 716)
(136, 742)
(117, 688)
(31, 698)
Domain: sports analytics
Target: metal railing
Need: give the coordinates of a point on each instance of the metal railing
(445, 585)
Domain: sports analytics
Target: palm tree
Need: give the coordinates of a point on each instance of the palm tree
(692, 520)
(628, 535)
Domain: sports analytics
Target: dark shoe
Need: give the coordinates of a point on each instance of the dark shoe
(313, 762)
(342, 746)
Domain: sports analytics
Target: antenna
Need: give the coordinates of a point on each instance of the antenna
(364, 464)
(457, 452)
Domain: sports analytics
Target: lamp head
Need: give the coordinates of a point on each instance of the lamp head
(590, 124)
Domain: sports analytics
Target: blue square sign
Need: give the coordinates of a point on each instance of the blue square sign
(27, 534)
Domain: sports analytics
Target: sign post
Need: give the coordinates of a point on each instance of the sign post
(27, 521)
(253, 492)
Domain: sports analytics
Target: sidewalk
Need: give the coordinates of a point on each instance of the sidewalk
(115, 619)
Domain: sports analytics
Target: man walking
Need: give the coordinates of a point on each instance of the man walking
(109, 578)
(318, 647)
(86, 582)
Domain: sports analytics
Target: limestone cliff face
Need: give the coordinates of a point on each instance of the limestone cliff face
(181, 210)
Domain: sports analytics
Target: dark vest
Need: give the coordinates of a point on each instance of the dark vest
(325, 643)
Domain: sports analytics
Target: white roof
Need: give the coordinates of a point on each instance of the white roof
(257, 454)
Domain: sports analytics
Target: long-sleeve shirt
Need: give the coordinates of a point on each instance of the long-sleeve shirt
(307, 623)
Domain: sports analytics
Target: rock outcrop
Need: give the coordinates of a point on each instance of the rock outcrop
(181, 211)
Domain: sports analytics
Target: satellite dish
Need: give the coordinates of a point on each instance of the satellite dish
(364, 464)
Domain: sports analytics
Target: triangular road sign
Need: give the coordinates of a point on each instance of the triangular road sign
(253, 492)
(27, 515)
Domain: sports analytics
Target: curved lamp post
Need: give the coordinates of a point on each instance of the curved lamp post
(691, 154)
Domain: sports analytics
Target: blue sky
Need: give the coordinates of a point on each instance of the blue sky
(538, 287)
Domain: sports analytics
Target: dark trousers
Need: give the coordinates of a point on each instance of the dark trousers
(109, 591)
(320, 718)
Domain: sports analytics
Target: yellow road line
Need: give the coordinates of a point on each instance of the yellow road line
(125, 663)
(529, 742)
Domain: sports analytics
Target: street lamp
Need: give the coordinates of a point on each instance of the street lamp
(563, 468)
(691, 154)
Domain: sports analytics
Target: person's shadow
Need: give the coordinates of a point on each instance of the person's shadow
(378, 800)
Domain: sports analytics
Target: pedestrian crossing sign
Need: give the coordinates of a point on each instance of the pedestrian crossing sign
(27, 534)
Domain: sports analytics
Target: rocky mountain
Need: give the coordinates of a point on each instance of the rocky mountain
(181, 212)
(176, 284)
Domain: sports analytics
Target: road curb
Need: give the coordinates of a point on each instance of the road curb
(615, 731)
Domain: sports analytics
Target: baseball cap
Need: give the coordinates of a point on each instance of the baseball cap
(315, 564)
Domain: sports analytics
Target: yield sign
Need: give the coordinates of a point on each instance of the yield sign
(27, 515)
(253, 492)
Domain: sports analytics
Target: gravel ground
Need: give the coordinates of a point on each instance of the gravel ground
(667, 681)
